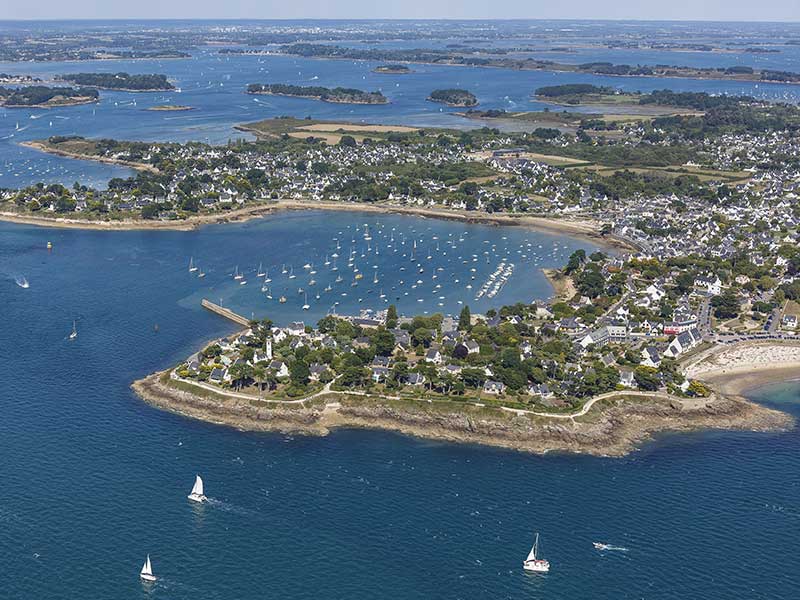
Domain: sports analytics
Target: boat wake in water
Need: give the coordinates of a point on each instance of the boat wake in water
(228, 507)
(608, 547)
(22, 282)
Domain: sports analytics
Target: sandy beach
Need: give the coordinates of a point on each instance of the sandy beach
(746, 367)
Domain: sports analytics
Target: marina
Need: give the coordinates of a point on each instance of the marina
(389, 268)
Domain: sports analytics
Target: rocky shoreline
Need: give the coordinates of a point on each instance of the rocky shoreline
(616, 428)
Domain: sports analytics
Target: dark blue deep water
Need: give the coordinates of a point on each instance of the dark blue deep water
(92, 479)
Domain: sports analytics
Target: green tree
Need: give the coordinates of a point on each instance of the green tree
(464, 319)
(384, 342)
(299, 372)
(646, 378)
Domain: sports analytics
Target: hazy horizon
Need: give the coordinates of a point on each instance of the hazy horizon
(780, 11)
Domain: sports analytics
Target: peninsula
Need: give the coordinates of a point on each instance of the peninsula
(39, 96)
(122, 82)
(338, 95)
(429, 376)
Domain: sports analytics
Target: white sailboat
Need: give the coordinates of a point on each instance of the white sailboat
(146, 574)
(74, 333)
(192, 267)
(236, 275)
(305, 304)
(536, 565)
(196, 495)
(260, 272)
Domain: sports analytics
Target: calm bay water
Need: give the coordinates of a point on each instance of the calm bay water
(92, 479)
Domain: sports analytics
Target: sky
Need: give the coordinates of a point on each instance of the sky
(712, 10)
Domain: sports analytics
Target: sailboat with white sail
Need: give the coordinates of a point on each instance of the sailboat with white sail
(196, 495)
(146, 574)
(536, 565)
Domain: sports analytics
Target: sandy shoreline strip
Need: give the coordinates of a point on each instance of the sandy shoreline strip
(746, 367)
(586, 230)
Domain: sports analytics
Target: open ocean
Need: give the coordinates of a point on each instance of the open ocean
(92, 479)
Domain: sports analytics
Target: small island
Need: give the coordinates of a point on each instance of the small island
(453, 97)
(392, 69)
(170, 108)
(338, 95)
(121, 82)
(39, 96)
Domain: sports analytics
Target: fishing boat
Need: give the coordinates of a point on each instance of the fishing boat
(74, 333)
(146, 574)
(192, 266)
(196, 495)
(536, 565)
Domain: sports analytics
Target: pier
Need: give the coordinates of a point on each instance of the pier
(225, 312)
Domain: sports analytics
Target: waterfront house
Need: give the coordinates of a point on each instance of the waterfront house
(280, 368)
(494, 387)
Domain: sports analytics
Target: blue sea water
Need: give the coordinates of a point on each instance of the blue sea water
(92, 479)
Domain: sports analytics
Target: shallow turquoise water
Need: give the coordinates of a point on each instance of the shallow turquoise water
(92, 479)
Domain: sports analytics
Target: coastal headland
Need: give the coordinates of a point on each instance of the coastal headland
(614, 424)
